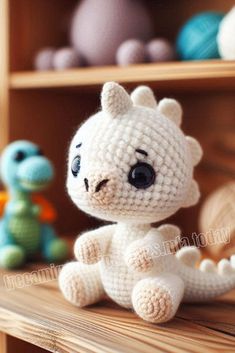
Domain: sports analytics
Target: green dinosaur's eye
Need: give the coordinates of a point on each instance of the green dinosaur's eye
(40, 152)
(19, 156)
(76, 165)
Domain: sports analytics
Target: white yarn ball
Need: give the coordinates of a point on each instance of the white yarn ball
(43, 60)
(130, 52)
(226, 36)
(66, 58)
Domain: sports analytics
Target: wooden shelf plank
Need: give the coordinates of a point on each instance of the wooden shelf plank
(181, 75)
(39, 315)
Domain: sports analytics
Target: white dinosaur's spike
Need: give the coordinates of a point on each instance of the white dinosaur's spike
(171, 109)
(224, 267)
(169, 231)
(193, 195)
(208, 265)
(144, 96)
(189, 255)
(195, 149)
(232, 261)
(114, 99)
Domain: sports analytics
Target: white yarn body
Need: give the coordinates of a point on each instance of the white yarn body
(118, 280)
(131, 164)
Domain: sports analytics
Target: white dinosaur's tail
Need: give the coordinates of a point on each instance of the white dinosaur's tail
(209, 280)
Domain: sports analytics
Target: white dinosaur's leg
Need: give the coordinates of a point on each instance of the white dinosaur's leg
(81, 284)
(157, 299)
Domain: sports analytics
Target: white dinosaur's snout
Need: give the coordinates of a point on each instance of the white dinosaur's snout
(100, 187)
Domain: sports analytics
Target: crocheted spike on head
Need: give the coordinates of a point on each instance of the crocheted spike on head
(114, 99)
(195, 149)
(171, 109)
(144, 96)
(193, 195)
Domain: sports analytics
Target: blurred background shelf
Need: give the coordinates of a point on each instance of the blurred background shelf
(180, 75)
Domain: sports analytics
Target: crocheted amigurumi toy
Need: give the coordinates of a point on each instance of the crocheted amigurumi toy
(25, 227)
(131, 164)
(105, 32)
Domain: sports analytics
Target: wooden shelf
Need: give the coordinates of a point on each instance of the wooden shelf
(177, 75)
(39, 315)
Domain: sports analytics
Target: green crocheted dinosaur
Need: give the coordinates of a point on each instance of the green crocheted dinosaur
(25, 227)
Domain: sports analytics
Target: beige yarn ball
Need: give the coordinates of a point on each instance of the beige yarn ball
(217, 221)
(131, 52)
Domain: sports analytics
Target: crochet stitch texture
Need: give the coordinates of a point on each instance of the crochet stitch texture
(131, 164)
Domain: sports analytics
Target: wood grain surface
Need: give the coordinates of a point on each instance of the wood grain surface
(39, 314)
(178, 75)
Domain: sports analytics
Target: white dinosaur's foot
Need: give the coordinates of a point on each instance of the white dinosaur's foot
(81, 284)
(157, 299)
(224, 267)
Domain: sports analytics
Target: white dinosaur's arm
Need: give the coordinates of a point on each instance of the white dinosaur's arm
(170, 234)
(90, 247)
(142, 255)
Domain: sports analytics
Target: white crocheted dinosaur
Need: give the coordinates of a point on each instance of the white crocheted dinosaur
(131, 164)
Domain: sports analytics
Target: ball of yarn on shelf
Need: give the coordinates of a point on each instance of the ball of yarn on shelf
(197, 40)
(160, 49)
(130, 52)
(99, 27)
(226, 36)
(217, 221)
(44, 59)
(66, 58)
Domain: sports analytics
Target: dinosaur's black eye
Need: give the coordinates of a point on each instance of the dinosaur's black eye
(19, 156)
(76, 165)
(40, 152)
(142, 175)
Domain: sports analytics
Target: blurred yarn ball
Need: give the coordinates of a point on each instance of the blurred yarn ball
(131, 52)
(197, 40)
(160, 49)
(226, 36)
(44, 59)
(217, 221)
(99, 27)
(66, 58)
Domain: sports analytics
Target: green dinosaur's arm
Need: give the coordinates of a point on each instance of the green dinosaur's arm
(21, 207)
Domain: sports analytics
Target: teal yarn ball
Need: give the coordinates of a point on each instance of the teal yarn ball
(197, 40)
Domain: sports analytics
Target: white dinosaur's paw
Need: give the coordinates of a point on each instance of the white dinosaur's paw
(189, 255)
(224, 267)
(208, 265)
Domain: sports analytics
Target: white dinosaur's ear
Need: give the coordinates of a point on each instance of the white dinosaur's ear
(171, 109)
(192, 196)
(114, 99)
(143, 95)
(195, 149)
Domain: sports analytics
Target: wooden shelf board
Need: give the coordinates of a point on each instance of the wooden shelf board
(39, 315)
(206, 74)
